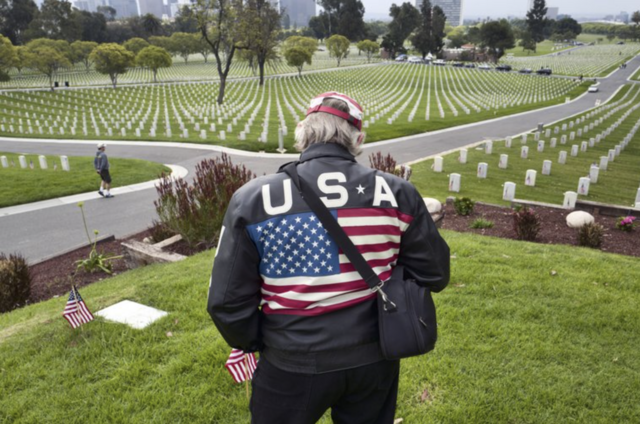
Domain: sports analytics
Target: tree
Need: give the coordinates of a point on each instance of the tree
(342, 17)
(55, 21)
(202, 47)
(338, 47)
(135, 45)
(429, 37)
(537, 20)
(567, 29)
(185, 20)
(457, 38)
(369, 48)
(527, 42)
(263, 28)
(377, 28)
(154, 58)
(162, 41)
(317, 24)
(17, 16)
(112, 59)
(297, 57)
(151, 24)
(81, 50)
(221, 24)
(185, 44)
(22, 60)
(299, 50)
(108, 12)
(8, 57)
(93, 26)
(47, 56)
(497, 37)
(405, 19)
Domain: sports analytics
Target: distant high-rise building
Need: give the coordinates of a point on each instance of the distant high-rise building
(124, 8)
(552, 12)
(453, 10)
(623, 17)
(299, 11)
(155, 7)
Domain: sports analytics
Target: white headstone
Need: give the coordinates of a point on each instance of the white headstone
(574, 150)
(463, 156)
(546, 167)
(65, 163)
(454, 183)
(592, 142)
(570, 198)
(223, 135)
(507, 142)
(562, 159)
(541, 146)
(637, 197)
(482, 170)
(563, 139)
(604, 162)
(43, 162)
(612, 155)
(618, 149)
(203, 134)
(530, 179)
(547, 133)
(504, 162)
(488, 147)
(583, 186)
(583, 146)
(553, 143)
(524, 152)
(5, 161)
(536, 136)
(524, 138)
(593, 174)
(438, 164)
(509, 191)
(572, 136)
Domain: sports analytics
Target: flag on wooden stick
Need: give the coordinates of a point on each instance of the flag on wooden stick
(76, 312)
(241, 366)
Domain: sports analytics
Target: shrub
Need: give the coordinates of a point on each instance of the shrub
(15, 282)
(159, 232)
(463, 206)
(196, 211)
(626, 223)
(591, 235)
(389, 165)
(481, 223)
(526, 224)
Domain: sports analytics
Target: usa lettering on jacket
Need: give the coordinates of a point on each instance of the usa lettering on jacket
(331, 184)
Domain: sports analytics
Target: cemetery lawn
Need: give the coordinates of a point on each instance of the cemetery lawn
(19, 186)
(517, 344)
(546, 47)
(617, 185)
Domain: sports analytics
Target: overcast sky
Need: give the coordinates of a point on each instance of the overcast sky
(496, 8)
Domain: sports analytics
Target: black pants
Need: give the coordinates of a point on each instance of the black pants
(363, 395)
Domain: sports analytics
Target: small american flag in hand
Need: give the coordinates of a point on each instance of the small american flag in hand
(76, 312)
(241, 366)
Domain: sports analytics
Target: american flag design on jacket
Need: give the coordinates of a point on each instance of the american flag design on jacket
(305, 273)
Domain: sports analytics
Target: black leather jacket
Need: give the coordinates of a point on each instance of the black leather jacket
(280, 287)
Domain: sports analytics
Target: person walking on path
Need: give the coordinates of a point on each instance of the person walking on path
(281, 286)
(101, 164)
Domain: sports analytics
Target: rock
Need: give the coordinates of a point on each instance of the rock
(579, 218)
(147, 240)
(433, 205)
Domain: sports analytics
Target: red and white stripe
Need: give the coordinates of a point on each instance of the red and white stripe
(376, 233)
(77, 313)
(241, 366)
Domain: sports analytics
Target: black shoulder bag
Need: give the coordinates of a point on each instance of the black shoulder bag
(406, 312)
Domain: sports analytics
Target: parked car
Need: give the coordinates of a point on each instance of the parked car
(469, 65)
(504, 68)
(402, 58)
(439, 62)
(415, 59)
(525, 71)
(484, 67)
(620, 43)
(594, 88)
(544, 71)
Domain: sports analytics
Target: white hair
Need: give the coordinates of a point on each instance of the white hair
(322, 128)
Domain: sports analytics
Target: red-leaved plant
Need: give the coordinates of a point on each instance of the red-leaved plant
(389, 165)
(196, 211)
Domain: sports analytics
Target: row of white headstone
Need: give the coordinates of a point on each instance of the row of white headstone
(22, 160)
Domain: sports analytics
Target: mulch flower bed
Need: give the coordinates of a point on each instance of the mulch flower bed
(54, 277)
(553, 228)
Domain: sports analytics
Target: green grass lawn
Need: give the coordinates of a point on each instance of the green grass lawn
(517, 345)
(19, 186)
(618, 185)
(543, 48)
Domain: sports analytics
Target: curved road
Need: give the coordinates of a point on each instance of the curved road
(47, 232)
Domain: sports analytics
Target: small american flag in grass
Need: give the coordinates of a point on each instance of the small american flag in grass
(241, 366)
(76, 312)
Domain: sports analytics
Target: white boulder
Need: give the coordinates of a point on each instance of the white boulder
(579, 218)
(433, 205)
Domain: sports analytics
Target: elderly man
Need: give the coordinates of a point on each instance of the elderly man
(281, 286)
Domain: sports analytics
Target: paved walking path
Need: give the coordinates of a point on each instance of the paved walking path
(42, 233)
